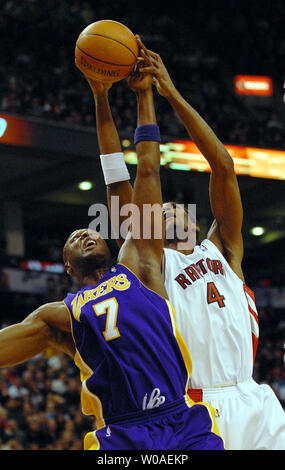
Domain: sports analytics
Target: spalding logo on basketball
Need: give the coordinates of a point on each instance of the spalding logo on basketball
(106, 51)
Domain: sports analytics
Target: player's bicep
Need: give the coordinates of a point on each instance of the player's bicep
(21, 341)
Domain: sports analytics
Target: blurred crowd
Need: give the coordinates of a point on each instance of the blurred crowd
(40, 405)
(269, 364)
(204, 48)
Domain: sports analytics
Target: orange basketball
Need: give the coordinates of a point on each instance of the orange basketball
(106, 51)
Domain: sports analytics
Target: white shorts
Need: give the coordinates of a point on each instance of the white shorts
(249, 416)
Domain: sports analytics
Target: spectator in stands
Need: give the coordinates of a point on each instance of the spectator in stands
(56, 92)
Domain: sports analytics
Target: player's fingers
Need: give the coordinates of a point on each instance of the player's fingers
(151, 54)
(142, 63)
(145, 49)
(139, 41)
(144, 58)
(141, 45)
(154, 55)
(147, 69)
(150, 61)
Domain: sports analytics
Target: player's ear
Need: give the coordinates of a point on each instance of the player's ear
(68, 268)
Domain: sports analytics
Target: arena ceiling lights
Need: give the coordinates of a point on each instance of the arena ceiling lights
(250, 161)
(253, 85)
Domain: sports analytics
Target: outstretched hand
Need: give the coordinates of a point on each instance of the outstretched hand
(139, 81)
(150, 62)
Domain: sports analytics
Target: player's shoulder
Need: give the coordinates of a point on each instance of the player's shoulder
(202, 247)
(208, 245)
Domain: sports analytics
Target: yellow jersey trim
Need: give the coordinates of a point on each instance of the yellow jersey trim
(90, 403)
(91, 441)
(181, 343)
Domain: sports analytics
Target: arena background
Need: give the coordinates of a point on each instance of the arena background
(48, 146)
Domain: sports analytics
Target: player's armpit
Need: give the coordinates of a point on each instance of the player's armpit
(62, 341)
(143, 265)
(56, 316)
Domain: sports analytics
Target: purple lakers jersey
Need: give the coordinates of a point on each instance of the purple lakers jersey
(130, 354)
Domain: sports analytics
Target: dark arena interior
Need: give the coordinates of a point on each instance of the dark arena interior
(49, 148)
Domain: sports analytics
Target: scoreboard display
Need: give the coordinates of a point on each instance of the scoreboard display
(251, 161)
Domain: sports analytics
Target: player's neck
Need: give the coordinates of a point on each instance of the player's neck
(88, 280)
(174, 246)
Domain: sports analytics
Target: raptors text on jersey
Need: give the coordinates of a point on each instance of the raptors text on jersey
(215, 313)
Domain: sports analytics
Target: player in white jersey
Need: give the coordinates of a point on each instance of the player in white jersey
(217, 320)
(215, 310)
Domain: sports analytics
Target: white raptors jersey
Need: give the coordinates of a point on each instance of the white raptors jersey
(215, 313)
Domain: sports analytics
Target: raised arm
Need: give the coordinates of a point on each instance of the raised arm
(225, 197)
(47, 326)
(116, 178)
(142, 252)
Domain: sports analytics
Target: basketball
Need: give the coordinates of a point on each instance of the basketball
(106, 51)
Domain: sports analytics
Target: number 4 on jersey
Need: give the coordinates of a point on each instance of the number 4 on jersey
(213, 295)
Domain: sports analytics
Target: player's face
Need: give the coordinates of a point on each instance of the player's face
(175, 214)
(86, 246)
(177, 220)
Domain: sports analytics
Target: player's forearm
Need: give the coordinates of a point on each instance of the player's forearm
(145, 104)
(118, 195)
(148, 151)
(20, 342)
(147, 188)
(109, 143)
(107, 134)
(201, 133)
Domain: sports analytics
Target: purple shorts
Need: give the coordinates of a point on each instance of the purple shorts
(179, 428)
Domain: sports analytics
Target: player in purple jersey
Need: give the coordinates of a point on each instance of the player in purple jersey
(120, 327)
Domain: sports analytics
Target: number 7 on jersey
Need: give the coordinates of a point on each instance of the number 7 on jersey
(109, 307)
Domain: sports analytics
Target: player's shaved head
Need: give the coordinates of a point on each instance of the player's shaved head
(84, 252)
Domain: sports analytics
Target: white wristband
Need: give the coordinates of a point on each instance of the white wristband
(114, 168)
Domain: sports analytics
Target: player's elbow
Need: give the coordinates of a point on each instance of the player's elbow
(225, 163)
